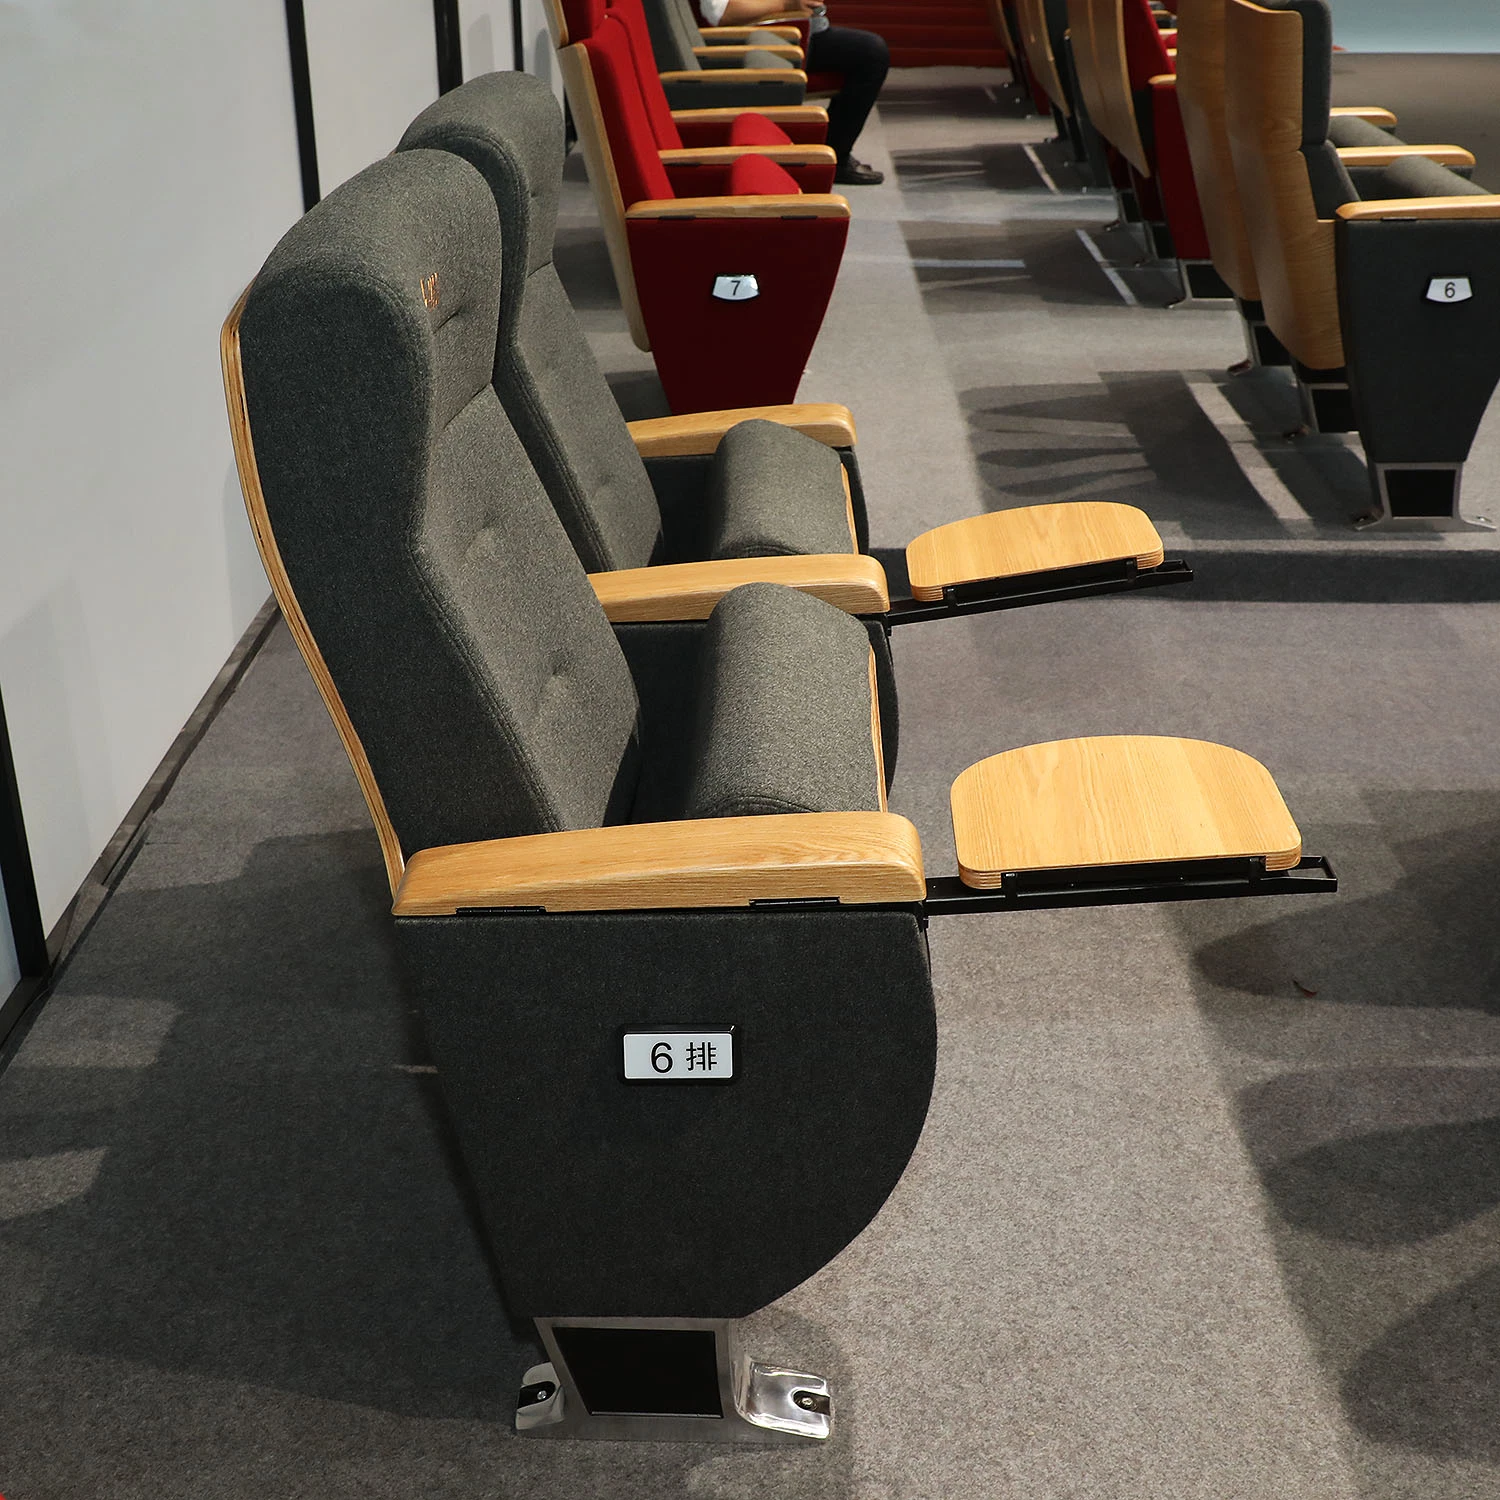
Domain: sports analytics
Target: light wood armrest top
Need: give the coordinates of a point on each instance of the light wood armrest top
(748, 34)
(700, 432)
(1162, 81)
(764, 206)
(730, 76)
(710, 156)
(1030, 539)
(858, 857)
(776, 49)
(1117, 800)
(1383, 156)
(1460, 206)
(779, 114)
(852, 582)
(1363, 112)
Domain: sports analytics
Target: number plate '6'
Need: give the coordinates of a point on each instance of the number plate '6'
(679, 1055)
(1449, 289)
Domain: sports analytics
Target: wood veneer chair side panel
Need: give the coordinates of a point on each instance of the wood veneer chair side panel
(286, 597)
(1292, 246)
(1114, 72)
(1200, 95)
(578, 80)
(1038, 45)
(1002, 26)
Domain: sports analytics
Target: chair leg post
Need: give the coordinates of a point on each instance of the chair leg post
(665, 1380)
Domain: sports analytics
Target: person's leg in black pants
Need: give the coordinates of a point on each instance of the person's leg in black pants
(863, 58)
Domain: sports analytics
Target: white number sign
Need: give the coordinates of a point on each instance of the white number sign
(736, 288)
(1449, 289)
(679, 1056)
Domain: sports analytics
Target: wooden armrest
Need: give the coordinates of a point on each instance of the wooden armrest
(747, 34)
(708, 156)
(700, 432)
(776, 49)
(1167, 33)
(1030, 539)
(780, 114)
(1117, 800)
(738, 75)
(1363, 112)
(850, 581)
(1163, 81)
(1461, 206)
(765, 206)
(857, 857)
(1385, 156)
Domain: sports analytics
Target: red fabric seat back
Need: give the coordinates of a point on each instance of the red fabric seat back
(1145, 51)
(627, 126)
(582, 18)
(653, 95)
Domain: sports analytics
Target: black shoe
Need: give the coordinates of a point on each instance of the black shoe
(851, 173)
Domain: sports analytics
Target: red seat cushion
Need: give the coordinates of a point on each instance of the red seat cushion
(757, 130)
(755, 177)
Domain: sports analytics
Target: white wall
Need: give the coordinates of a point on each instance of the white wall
(541, 58)
(1434, 26)
(373, 65)
(486, 31)
(150, 163)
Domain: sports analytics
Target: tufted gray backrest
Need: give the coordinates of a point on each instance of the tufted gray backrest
(508, 125)
(488, 689)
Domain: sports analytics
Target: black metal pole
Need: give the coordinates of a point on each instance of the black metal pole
(15, 869)
(517, 38)
(27, 930)
(450, 52)
(302, 105)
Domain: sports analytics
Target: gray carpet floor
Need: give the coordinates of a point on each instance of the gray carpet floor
(1207, 1204)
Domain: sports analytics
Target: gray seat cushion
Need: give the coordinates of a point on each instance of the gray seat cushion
(783, 709)
(774, 492)
(1417, 177)
(1350, 130)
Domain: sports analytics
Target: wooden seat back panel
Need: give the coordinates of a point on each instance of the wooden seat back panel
(1293, 249)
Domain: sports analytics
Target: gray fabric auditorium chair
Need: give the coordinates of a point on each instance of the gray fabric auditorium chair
(1380, 289)
(667, 514)
(667, 943)
(681, 48)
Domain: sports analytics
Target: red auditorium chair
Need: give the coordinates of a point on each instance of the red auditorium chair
(725, 265)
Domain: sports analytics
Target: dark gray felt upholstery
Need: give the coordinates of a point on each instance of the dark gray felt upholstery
(508, 125)
(604, 1200)
(784, 709)
(485, 683)
(1332, 183)
(770, 494)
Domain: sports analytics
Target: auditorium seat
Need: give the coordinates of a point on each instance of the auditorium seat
(727, 290)
(668, 514)
(701, 74)
(1377, 290)
(666, 940)
(1198, 89)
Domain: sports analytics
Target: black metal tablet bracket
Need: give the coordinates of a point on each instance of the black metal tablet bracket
(1037, 588)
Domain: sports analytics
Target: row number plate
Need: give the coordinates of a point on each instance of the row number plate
(671, 1055)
